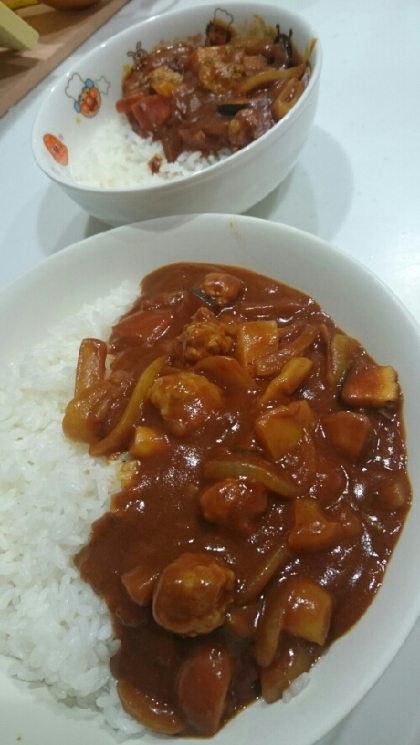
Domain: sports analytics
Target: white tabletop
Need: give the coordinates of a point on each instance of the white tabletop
(356, 185)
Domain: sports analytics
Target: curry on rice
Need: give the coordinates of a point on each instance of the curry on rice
(264, 487)
(221, 94)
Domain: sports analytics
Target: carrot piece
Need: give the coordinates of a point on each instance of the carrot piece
(123, 106)
(151, 111)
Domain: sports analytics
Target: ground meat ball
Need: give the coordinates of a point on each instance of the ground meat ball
(205, 336)
(192, 594)
(185, 400)
(234, 503)
(247, 126)
(223, 287)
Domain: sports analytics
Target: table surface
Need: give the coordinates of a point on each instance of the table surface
(356, 185)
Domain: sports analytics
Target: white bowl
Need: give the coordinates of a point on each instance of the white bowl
(230, 186)
(363, 307)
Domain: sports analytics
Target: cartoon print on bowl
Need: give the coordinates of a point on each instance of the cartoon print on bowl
(137, 56)
(218, 30)
(86, 93)
(57, 149)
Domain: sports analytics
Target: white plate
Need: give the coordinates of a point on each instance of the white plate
(363, 307)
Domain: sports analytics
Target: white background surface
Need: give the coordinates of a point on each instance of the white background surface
(356, 185)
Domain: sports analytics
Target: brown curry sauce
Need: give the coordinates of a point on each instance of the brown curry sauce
(222, 93)
(323, 517)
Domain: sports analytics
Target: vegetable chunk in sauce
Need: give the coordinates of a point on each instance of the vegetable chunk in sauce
(222, 92)
(264, 486)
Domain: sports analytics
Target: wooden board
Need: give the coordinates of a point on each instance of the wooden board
(60, 33)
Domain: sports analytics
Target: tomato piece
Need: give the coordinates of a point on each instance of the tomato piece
(123, 106)
(151, 111)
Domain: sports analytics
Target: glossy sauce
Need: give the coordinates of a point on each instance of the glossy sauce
(223, 93)
(159, 515)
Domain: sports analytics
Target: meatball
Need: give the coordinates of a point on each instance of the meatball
(247, 125)
(234, 503)
(205, 336)
(192, 594)
(185, 400)
(222, 287)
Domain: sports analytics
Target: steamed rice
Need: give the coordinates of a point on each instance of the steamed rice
(53, 627)
(118, 158)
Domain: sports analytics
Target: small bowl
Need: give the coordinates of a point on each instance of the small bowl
(65, 126)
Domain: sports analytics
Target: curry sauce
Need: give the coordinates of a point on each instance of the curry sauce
(221, 92)
(264, 487)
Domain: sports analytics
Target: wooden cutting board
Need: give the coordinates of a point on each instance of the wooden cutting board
(60, 33)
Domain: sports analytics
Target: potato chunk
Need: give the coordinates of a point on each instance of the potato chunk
(163, 80)
(312, 530)
(307, 609)
(281, 429)
(373, 386)
(147, 442)
(192, 594)
(349, 433)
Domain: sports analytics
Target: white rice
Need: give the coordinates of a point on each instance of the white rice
(53, 627)
(118, 158)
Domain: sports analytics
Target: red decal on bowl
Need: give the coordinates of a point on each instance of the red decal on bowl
(57, 149)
